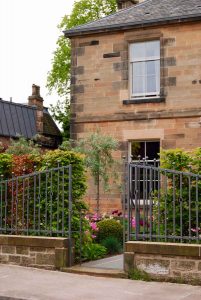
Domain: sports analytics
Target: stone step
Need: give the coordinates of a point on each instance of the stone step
(112, 273)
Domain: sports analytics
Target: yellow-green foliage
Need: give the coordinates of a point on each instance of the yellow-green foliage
(63, 158)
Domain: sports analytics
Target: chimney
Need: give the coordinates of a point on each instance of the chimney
(36, 100)
(127, 3)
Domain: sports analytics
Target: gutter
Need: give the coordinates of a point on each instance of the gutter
(120, 27)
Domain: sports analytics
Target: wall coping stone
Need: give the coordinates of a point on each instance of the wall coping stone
(190, 250)
(34, 241)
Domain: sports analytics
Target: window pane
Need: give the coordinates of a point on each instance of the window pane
(139, 69)
(137, 148)
(137, 51)
(153, 77)
(151, 84)
(139, 85)
(152, 150)
(153, 49)
(151, 68)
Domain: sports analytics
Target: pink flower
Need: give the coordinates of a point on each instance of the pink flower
(93, 236)
(133, 223)
(195, 229)
(94, 226)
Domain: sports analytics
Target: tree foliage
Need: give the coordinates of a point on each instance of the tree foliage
(59, 76)
(98, 150)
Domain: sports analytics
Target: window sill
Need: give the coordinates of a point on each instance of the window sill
(144, 100)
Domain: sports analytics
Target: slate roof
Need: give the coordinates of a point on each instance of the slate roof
(147, 13)
(17, 119)
(20, 120)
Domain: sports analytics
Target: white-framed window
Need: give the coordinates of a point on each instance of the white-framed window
(145, 69)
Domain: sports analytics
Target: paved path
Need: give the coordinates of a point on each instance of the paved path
(113, 262)
(27, 283)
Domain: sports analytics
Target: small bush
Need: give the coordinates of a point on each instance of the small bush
(137, 274)
(92, 251)
(109, 228)
(112, 245)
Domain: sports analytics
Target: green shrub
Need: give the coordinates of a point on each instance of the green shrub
(168, 217)
(109, 228)
(112, 244)
(51, 159)
(5, 164)
(92, 251)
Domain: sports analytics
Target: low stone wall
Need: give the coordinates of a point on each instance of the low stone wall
(39, 252)
(165, 261)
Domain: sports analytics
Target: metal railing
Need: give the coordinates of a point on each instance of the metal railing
(37, 204)
(162, 205)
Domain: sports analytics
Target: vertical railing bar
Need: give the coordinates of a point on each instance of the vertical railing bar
(6, 205)
(12, 201)
(34, 197)
(1, 204)
(28, 203)
(130, 195)
(63, 207)
(197, 210)
(181, 207)
(151, 202)
(136, 194)
(46, 196)
(189, 195)
(58, 184)
(174, 215)
(51, 202)
(70, 214)
(39, 203)
(143, 187)
(16, 208)
(166, 183)
(23, 201)
(159, 211)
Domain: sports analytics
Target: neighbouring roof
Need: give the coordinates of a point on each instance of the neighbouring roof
(17, 120)
(49, 126)
(147, 13)
(20, 120)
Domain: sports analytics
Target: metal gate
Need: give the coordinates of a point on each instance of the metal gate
(161, 204)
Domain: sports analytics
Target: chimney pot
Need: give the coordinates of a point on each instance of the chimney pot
(127, 3)
(36, 100)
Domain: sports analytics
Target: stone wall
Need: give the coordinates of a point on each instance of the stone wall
(165, 261)
(100, 92)
(39, 252)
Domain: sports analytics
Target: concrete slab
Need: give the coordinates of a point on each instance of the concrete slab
(35, 284)
(113, 262)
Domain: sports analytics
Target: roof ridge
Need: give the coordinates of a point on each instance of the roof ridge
(108, 16)
(18, 104)
(147, 13)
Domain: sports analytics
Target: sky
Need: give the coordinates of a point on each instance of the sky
(28, 35)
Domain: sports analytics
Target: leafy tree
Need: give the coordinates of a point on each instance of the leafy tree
(98, 150)
(59, 77)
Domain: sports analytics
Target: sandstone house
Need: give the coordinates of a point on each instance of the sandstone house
(31, 120)
(136, 75)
